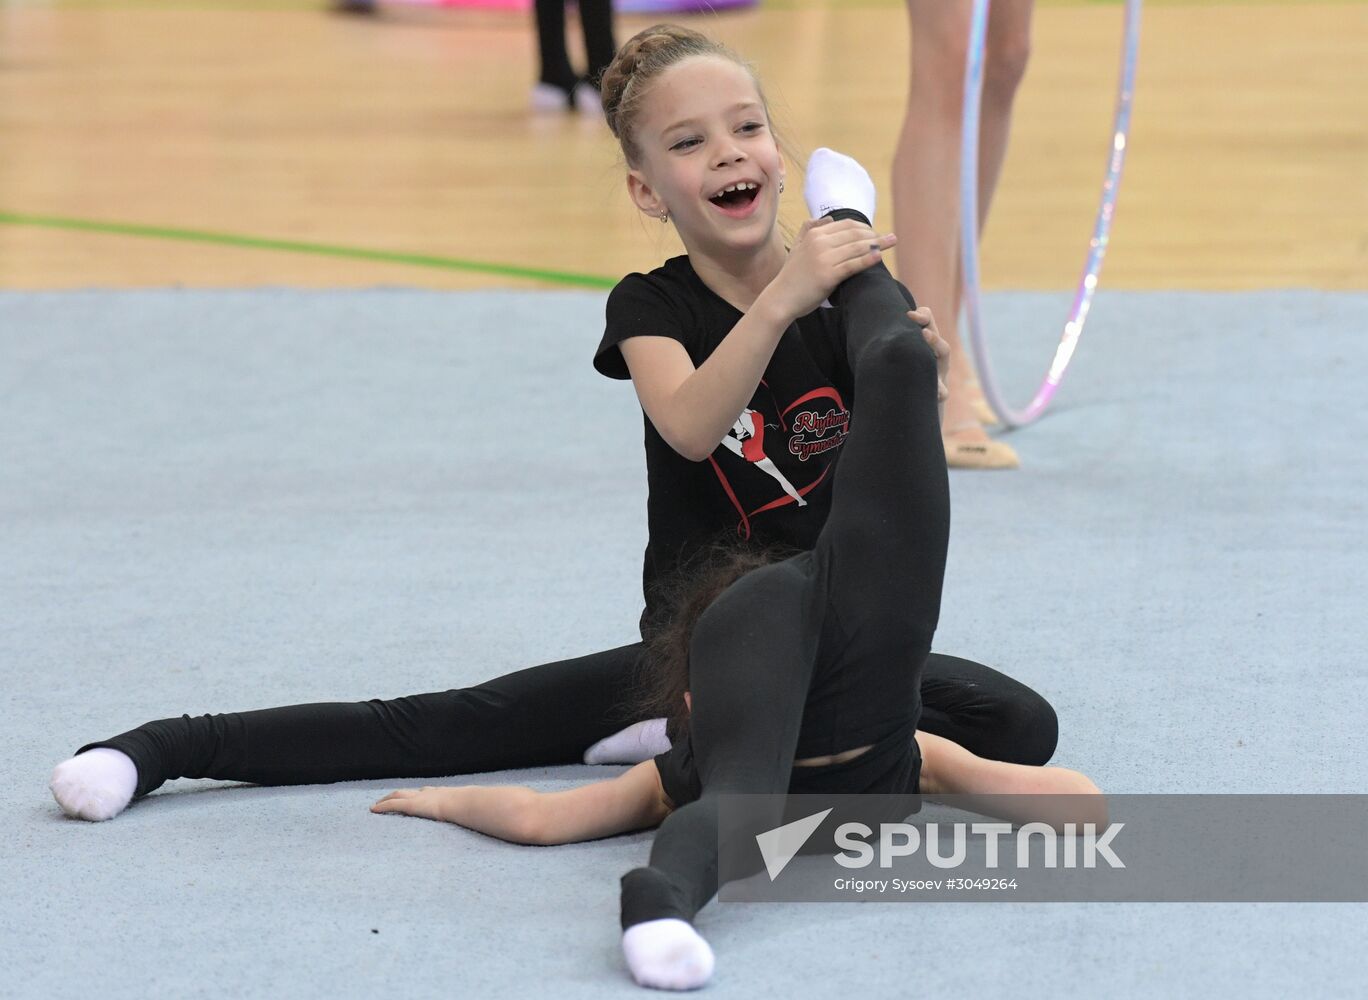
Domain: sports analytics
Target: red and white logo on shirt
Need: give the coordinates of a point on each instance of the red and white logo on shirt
(817, 429)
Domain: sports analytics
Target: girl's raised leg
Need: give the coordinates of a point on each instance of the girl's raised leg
(885, 540)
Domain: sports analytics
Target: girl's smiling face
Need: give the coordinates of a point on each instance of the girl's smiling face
(708, 157)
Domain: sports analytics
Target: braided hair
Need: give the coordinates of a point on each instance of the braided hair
(642, 58)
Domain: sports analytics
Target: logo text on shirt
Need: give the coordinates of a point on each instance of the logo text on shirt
(809, 422)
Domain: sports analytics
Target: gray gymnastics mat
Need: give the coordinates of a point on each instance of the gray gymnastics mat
(222, 500)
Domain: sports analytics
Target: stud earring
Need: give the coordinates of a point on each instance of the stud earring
(781, 185)
(664, 216)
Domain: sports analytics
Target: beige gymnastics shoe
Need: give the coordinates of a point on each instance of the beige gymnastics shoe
(986, 415)
(978, 402)
(962, 452)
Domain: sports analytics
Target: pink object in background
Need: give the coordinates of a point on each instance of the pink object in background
(621, 6)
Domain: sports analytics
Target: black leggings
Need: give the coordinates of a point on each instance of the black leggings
(596, 20)
(822, 652)
(536, 717)
(539, 716)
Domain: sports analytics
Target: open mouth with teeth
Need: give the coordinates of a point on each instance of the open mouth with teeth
(737, 200)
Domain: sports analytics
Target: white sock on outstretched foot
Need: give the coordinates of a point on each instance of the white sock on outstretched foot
(835, 181)
(639, 741)
(667, 954)
(95, 785)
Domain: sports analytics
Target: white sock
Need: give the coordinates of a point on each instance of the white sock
(639, 741)
(836, 181)
(587, 100)
(95, 785)
(548, 98)
(667, 954)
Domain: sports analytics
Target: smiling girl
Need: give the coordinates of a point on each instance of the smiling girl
(736, 324)
(800, 674)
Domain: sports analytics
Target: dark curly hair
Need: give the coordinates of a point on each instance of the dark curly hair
(683, 598)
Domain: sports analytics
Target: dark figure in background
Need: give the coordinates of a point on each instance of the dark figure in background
(558, 85)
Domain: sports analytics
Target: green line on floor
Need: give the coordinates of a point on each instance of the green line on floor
(318, 249)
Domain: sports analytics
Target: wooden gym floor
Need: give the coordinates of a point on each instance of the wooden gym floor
(206, 143)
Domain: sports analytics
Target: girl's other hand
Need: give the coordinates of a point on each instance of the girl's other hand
(427, 802)
(923, 318)
(825, 253)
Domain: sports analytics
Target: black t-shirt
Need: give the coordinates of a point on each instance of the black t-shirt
(786, 441)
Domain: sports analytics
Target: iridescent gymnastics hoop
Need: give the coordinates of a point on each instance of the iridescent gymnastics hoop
(1097, 247)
